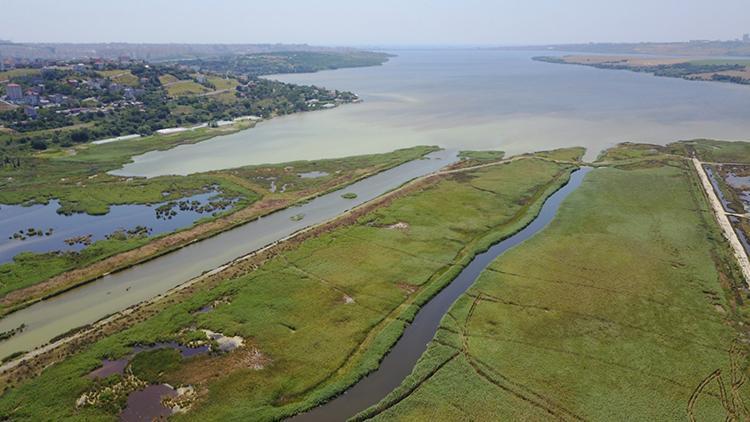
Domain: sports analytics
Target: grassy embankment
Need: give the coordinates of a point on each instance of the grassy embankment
(561, 155)
(318, 316)
(80, 182)
(619, 309)
(735, 157)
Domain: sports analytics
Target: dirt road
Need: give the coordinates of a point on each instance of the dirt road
(723, 220)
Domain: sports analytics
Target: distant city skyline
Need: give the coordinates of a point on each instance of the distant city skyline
(386, 22)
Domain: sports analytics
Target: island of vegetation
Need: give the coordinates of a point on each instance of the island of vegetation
(695, 48)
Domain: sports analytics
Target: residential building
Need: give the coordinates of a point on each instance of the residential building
(48, 71)
(31, 98)
(30, 112)
(128, 94)
(57, 98)
(14, 92)
(746, 38)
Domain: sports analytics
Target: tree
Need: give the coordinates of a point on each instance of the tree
(38, 145)
(79, 136)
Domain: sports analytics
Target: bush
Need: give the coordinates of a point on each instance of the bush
(80, 136)
(38, 145)
(149, 365)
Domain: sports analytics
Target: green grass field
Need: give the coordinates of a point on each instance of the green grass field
(121, 76)
(481, 156)
(316, 317)
(616, 311)
(715, 151)
(167, 79)
(181, 88)
(223, 83)
(18, 72)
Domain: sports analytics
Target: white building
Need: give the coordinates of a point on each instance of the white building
(14, 92)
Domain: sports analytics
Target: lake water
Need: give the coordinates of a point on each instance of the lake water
(84, 228)
(117, 291)
(474, 99)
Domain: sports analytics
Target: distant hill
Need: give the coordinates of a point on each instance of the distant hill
(149, 52)
(690, 48)
(286, 62)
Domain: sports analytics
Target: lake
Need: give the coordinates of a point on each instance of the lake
(473, 99)
(51, 231)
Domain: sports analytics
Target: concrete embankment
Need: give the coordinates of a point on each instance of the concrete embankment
(723, 220)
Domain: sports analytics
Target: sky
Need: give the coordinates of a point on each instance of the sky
(372, 22)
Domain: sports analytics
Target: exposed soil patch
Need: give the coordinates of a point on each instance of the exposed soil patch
(182, 401)
(398, 226)
(408, 288)
(205, 368)
(226, 343)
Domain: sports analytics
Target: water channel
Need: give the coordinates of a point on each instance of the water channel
(402, 358)
(115, 292)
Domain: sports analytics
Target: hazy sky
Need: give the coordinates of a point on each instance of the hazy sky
(356, 22)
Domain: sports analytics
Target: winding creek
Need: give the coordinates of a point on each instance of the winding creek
(110, 294)
(402, 358)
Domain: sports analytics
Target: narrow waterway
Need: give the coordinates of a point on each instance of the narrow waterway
(715, 183)
(402, 358)
(115, 292)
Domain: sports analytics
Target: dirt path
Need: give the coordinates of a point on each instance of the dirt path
(723, 220)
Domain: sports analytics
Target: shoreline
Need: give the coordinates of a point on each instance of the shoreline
(716, 75)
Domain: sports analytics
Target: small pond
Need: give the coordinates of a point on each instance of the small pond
(39, 228)
(740, 234)
(146, 405)
(312, 174)
(741, 185)
(712, 177)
